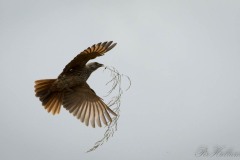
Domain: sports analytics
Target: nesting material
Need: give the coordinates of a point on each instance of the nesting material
(115, 103)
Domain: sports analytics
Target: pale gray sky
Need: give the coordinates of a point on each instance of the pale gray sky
(182, 56)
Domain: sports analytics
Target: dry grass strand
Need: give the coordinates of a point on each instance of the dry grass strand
(116, 82)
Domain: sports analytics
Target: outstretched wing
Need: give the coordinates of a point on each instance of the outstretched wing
(90, 53)
(83, 103)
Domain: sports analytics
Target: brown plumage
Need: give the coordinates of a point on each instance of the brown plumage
(71, 90)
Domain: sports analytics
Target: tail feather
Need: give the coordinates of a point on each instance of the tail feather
(42, 86)
(51, 101)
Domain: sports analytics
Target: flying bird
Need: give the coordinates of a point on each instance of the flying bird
(71, 90)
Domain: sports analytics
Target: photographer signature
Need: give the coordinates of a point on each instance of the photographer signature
(218, 151)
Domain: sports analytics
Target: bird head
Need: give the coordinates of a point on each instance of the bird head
(94, 65)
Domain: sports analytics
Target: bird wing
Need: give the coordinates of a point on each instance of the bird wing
(83, 103)
(90, 53)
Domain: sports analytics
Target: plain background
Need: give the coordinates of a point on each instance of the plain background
(181, 55)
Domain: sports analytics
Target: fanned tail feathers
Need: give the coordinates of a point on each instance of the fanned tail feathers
(51, 101)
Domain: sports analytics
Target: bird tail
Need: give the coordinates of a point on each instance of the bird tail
(51, 101)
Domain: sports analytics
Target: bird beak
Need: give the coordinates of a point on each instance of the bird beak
(101, 65)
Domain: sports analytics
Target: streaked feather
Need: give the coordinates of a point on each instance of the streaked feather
(97, 118)
(92, 116)
(101, 109)
(84, 112)
(86, 119)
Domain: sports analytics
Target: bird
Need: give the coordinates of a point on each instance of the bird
(71, 90)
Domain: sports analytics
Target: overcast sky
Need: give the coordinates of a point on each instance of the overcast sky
(181, 55)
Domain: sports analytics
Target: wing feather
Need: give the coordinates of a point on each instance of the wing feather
(105, 111)
(90, 53)
(76, 110)
(92, 116)
(102, 113)
(80, 110)
(97, 118)
(99, 48)
(85, 105)
(84, 112)
(87, 114)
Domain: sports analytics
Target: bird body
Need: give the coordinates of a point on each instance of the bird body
(74, 77)
(71, 90)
